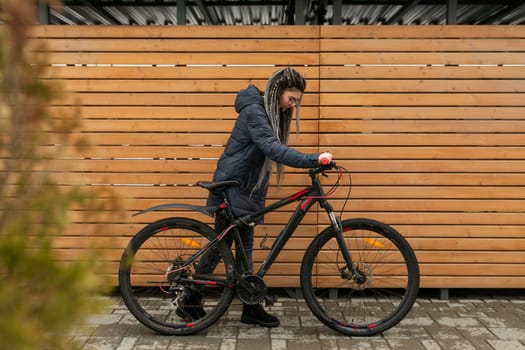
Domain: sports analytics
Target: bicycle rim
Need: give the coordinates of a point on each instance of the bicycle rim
(392, 278)
(155, 286)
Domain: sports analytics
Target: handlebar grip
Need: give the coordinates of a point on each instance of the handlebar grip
(324, 166)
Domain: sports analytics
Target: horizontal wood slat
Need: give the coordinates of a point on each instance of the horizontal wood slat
(137, 58)
(418, 58)
(168, 112)
(300, 244)
(422, 99)
(409, 108)
(423, 72)
(429, 120)
(388, 166)
(209, 138)
(125, 228)
(422, 112)
(423, 139)
(419, 86)
(427, 32)
(409, 126)
(163, 99)
(363, 178)
(422, 45)
(358, 192)
(193, 73)
(336, 85)
(98, 32)
(393, 218)
(191, 44)
(427, 259)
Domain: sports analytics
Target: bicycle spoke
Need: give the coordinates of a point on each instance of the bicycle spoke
(163, 291)
(360, 307)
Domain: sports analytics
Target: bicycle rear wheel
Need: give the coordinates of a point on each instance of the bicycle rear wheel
(383, 256)
(162, 294)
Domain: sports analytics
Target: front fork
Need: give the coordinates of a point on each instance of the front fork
(355, 274)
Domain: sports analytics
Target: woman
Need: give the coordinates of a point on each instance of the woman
(258, 139)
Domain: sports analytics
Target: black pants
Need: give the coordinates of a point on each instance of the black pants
(212, 257)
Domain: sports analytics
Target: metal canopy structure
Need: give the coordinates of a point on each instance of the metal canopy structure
(285, 12)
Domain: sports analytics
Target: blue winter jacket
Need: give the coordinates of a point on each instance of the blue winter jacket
(251, 140)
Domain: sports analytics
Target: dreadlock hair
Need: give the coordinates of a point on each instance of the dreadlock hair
(281, 80)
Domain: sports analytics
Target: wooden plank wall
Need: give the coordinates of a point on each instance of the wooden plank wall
(428, 119)
(157, 104)
(431, 121)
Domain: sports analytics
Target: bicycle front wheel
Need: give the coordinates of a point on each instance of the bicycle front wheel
(164, 294)
(369, 306)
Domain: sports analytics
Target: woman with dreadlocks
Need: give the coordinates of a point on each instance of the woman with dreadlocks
(258, 139)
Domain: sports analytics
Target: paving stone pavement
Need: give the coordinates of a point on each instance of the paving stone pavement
(485, 320)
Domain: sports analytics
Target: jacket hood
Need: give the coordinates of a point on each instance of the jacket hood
(249, 96)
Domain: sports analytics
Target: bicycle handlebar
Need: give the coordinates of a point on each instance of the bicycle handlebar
(322, 168)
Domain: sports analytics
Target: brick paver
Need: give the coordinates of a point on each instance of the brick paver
(478, 322)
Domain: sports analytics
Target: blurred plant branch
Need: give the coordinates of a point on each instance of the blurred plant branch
(41, 297)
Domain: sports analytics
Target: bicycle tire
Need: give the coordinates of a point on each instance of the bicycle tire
(383, 300)
(149, 279)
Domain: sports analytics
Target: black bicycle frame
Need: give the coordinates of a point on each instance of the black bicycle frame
(290, 227)
(308, 196)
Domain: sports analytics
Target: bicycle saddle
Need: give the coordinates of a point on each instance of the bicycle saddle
(215, 186)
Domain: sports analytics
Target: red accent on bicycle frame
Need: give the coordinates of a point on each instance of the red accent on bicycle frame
(222, 205)
(305, 203)
(209, 283)
(299, 194)
(164, 228)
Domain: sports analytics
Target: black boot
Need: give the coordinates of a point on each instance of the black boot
(191, 308)
(255, 314)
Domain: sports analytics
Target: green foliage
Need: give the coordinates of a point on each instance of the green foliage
(42, 295)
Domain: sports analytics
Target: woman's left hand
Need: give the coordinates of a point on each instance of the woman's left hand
(325, 158)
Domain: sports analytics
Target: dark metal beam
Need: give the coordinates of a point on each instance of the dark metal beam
(290, 12)
(181, 12)
(299, 12)
(452, 12)
(321, 12)
(337, 16)
(43, 12)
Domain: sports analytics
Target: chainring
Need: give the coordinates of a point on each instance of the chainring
(251, 290)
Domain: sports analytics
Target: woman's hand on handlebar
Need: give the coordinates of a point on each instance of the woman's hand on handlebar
(325, 158)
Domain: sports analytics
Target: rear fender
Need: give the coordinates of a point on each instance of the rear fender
(209, 211)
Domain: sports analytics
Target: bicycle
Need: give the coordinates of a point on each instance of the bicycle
(368, 263)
